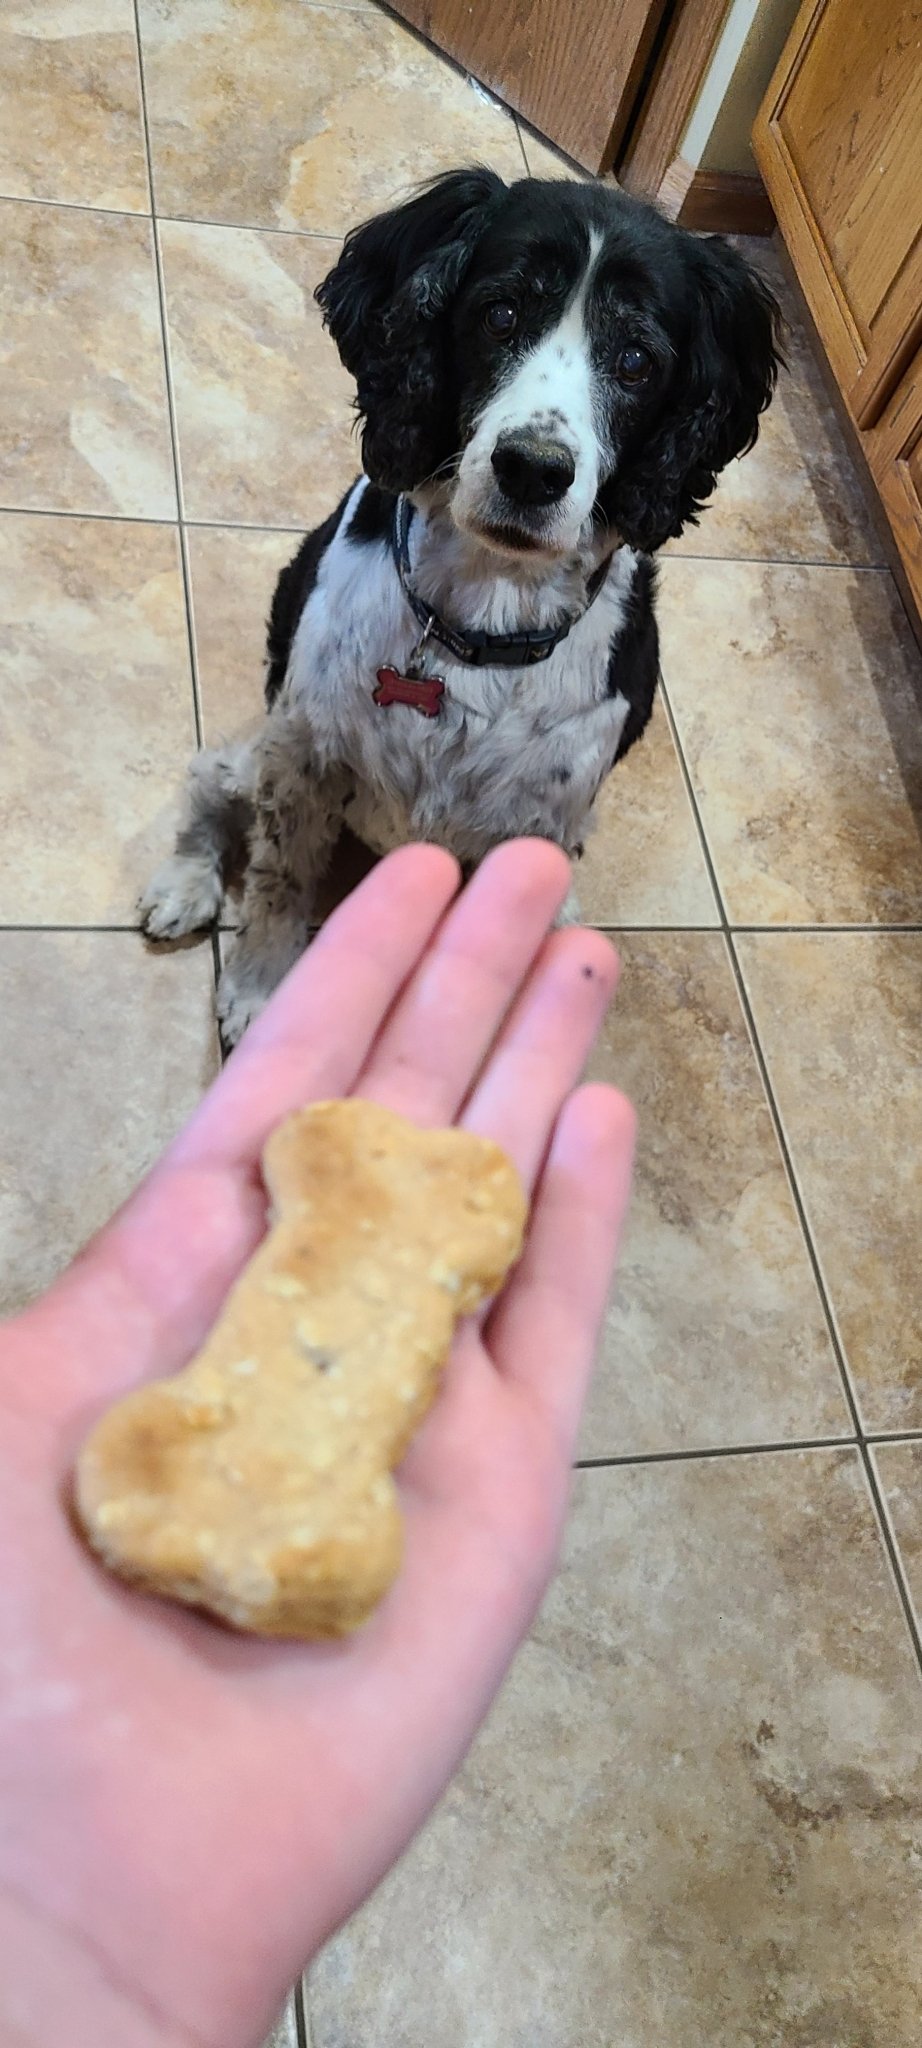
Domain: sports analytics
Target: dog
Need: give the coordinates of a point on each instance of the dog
(550, 377)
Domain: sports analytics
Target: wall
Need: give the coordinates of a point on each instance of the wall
(750, 43)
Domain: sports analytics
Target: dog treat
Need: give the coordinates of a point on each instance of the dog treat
(257, 1482)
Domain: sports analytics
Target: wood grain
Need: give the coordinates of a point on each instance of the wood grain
(842, 129)
(570, 67)
(663, 115)
(838, 140)
(727, 203)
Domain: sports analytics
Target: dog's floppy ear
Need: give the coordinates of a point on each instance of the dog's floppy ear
(382, 304)
(731, 363)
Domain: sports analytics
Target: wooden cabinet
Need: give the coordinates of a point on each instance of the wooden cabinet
(839, 144)
(570, 67)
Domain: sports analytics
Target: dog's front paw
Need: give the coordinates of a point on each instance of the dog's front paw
(184, 896)
(238, 1003)
(569, 912)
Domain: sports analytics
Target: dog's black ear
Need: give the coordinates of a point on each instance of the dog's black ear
(383, 304)
(731, 361)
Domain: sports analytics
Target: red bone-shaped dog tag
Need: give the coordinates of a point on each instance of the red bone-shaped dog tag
(423, 693)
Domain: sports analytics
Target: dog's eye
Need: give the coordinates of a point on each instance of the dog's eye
(634, 365)
(500, 320)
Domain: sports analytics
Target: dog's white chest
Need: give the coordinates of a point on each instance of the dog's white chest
(511, 751)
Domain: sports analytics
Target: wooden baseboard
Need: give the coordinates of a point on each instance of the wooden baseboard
(723, 202)
(674, 189)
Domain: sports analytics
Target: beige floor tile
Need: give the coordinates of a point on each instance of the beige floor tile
(840, 1021)
(280, 114)
(233, 574)
(797, 496)
(899, 1469)
(264, 408)
(96, 717)
(643, 862)
(84, 425)
(104, 1051)
(692, 1820)
(70, 103)
(716, 1334)
(796, 696)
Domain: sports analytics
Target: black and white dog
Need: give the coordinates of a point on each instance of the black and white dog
(550, 378)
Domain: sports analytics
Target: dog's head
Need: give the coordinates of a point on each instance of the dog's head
(555, 357)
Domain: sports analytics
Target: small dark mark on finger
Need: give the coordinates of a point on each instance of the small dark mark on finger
(588, 973)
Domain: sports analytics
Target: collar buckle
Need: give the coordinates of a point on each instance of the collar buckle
(414, 666)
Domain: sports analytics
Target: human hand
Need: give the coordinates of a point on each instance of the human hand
(189, 1814)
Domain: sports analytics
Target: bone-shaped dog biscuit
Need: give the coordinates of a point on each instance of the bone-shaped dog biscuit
(257, 1483)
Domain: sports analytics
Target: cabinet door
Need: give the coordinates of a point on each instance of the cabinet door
(571, 67)
(894, 452)
(839, 144)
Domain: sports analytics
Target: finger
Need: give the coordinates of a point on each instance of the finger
(151, 1283)
(429, 1052)
(312, 1039)
(542, 1051)
(544, 1330)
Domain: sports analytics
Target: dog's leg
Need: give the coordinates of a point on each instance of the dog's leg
(187, 891)
(574, 848)
(569, 912)
(298, 813)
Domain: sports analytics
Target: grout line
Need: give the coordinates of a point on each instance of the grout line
(193, 650)
(892, 1436)
(302, 2014)
(239, 525)
(524, 153)
(146, 519)
(794, 1184)
(782, 562)
(174, 444)
(770, 931)
(253, 227)
(616, 931)
(266, 526)
(845, 1377)
(607, 930)
(820, 931)
(881, 1511)
(81, 205)
(93, 929)
(694, 807)
(711, 1451)
(161, 298)
(145, 120)
(59, 512)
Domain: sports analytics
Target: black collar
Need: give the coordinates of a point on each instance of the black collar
(479, 649)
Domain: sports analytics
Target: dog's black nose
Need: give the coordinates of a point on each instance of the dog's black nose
(531, 469)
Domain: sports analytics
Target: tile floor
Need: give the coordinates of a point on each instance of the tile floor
(695, 1816)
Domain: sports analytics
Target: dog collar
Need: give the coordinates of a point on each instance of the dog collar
(478, 649)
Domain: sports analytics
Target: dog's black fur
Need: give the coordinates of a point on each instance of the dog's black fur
(402, 306)
(555, 376)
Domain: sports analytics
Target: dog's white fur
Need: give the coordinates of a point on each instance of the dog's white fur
(514, 751)
(554, 390)
(490, 767)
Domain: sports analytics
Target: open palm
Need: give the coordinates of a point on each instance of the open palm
(188, 1814)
